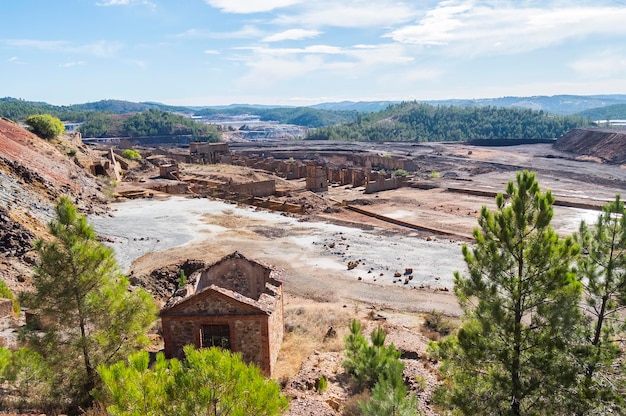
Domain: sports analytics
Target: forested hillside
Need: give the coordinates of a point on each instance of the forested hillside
(18, 110)
(147, 123)
(611, 112)
(300, 116)
(413, 121)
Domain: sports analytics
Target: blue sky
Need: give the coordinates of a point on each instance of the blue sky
(301, 52)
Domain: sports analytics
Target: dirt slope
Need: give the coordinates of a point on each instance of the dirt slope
(34, 173)
(609, 145)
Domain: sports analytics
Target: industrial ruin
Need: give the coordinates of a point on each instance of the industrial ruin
(236, 304)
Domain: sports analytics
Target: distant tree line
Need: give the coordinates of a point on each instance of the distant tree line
(145, 124)
(416, 122)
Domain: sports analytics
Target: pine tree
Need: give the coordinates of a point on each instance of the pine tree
(366, 362)
(210, 381)
(390, 394)
(602, 269)
(521, 304)
(89, 316)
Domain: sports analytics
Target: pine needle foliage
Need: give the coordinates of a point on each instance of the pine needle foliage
(209, 382)
(512, 353)
(89, 316)
(602, 271)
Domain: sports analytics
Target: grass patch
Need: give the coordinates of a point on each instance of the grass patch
(308, 329)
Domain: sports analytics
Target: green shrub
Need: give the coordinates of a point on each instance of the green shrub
(131, 154)
(211, 381)
(365, 362)
(45, 126)
(321, 384)
(6, 293)
(400, 172)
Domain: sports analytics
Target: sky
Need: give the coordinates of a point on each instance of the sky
(303, 52)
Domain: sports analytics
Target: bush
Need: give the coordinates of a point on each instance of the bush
(131, 154)
(366, 363)
(321, 384)
(45, 126)
(6, 293)
(400, 172)
(210, 379)
(437, 321)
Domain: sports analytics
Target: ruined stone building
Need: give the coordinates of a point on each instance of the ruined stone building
(316, 178)
(209, 153)
(236, 303)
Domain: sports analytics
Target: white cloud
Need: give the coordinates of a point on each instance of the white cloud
(605, 64)
(250, 6)
(267, 70)
(246, 32)
(312, 49)
(272, 65)
(15, 60)
(101, 49)
(71, 64)
(349, 13)
(212, 52)
(107, 3)
(292, 34)
(486, 27)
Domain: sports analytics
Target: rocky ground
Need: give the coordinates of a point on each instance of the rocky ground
(323, 291)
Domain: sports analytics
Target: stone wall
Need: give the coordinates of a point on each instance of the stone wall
(212, 153)
(247, 297)
(382, 184)
(257, 189)
(236, 274)
(316, 178)
(248, 336)
(276, 328)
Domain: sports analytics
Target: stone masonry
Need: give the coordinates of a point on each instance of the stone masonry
(236, 303)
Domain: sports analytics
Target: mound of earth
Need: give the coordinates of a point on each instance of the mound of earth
(34, 173)
(608, 145)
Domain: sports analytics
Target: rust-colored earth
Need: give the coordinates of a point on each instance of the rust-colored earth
(34, 173)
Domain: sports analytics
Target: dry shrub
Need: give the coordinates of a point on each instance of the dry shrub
(98, 409)
(351, 406)
(436, 325)
(306, 329)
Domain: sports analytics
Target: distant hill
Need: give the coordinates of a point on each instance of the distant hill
(610, 112)
(300, 116)
(125, 107)
(18, 110)
(419, 122)
(556, 104)
(360, 106)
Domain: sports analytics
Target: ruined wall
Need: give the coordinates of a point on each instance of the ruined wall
(382, 184)
(202, 152)
(251, 340)
(177, 333)
(276, 328)
(316, 178)
(260, 188)
(236, 274)
(248, 335)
